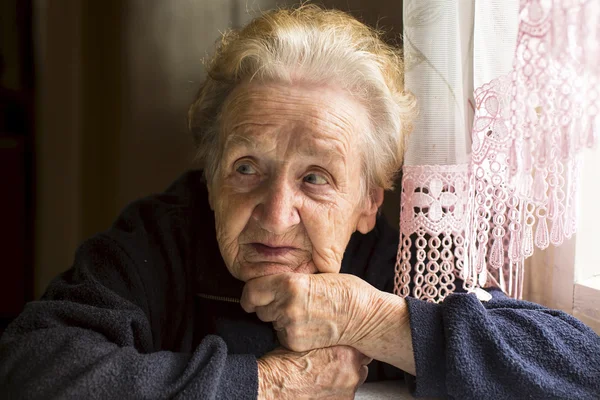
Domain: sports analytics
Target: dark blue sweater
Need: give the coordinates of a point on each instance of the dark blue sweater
(148, 310)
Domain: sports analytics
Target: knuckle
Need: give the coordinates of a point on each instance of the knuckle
(295, 343)
(299, 347)
(247, 297)
(283, 339)
(245, 303)
(293, 312)
(292, 285)
(350, 357)
(261, 314)
(344, 353)
(296, 284)
(287, 340)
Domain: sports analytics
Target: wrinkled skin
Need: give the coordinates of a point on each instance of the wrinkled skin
(330, 373)
(313, 311)
(287, 195)
(290, 177)
(321, 310)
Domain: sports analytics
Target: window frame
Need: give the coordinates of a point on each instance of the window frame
(586, 287)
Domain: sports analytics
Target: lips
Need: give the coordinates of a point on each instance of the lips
(272, 251)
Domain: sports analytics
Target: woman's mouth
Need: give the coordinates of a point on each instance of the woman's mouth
(271, 251)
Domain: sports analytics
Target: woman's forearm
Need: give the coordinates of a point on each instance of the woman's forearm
(387, 336)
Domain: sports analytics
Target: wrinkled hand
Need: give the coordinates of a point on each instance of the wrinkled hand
(330, 373)
(312, 311)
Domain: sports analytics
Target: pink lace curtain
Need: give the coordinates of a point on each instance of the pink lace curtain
(509, 97)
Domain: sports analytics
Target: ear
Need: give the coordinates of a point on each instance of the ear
(368, 216)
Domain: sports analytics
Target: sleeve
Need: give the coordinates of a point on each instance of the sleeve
(501, 349)
(92, 337)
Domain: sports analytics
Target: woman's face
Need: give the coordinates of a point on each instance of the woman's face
(287, 194)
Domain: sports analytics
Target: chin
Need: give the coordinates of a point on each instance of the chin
(248, 271)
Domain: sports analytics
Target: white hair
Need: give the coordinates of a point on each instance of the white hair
(317, 46)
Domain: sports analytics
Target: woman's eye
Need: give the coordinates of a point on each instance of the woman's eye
(315, 179)
(246, 169)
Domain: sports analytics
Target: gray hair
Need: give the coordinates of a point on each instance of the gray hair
(317, 46)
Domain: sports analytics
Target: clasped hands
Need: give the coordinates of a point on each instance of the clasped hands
(325, 323)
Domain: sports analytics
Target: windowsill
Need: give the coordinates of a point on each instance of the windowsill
(592, 283)
(586, 302)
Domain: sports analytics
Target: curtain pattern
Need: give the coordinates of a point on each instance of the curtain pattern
(508, 92)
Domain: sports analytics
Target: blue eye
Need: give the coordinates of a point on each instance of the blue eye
(246, 169)
(315, 179)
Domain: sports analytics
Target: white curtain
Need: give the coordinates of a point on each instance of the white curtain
(508, 97)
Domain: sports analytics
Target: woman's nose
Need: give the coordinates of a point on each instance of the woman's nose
(277, 212)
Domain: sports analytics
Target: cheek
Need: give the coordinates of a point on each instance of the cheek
(329, 228)
(232, 213)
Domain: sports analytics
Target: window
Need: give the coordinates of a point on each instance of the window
(568, 277)
(586, 293)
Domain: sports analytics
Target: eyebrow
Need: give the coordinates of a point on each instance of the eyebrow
(235, 140)
(239, 141)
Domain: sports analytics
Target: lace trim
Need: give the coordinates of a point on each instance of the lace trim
(433, 215)
(479, 222)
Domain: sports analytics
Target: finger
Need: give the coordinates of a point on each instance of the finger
(268, 313)
(282, 337)
(258, 292)
(363, 374)
(364, 360)
(359, 358)
(279, 325)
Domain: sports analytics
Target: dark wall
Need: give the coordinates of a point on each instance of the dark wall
(16, 161)
(115, 79)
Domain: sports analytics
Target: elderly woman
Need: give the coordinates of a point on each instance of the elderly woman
(228, 285)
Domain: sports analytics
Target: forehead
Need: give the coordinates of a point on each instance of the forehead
(256, 115)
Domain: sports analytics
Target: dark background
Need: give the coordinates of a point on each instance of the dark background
(93, 102)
